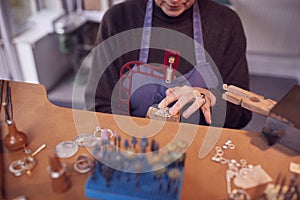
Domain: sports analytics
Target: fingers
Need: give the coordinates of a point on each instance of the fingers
(207, 113)
(202, 99)
(212, 98)
(198, 103)
(170, 98)
(204, 104)
(182, 95)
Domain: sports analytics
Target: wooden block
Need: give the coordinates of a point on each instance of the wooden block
(260, 106)
(232, 98)
(248, 100)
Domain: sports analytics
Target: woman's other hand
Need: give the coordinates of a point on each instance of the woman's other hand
(202, 99)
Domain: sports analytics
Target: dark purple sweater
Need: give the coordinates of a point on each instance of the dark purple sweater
(224, 41)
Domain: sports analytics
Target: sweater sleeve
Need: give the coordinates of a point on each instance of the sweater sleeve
(103, 76)
(111, 53)
(236, 73)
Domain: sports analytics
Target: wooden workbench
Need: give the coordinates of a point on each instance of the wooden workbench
(45, 123)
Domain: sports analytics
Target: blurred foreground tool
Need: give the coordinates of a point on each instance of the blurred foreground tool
(57, 171)
(283, 189)
(283, 119)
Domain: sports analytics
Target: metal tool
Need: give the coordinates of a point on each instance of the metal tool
(1, 93)
(169, 75)
(38, 150)
(8, 105)
(289, 193)
(26, 164)
(162, 114)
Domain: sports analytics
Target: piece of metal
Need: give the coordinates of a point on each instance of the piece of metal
(27, 150)
(231, 146)
(26, 164)
(162, 114)
(202, 97)
(18, 167)
(86, 140)
(83, 164)
(66, 149)
(103, 133)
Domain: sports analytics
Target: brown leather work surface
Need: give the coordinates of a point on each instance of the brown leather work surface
(46, 123)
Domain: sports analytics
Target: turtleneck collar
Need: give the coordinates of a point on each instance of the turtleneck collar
(186, 15)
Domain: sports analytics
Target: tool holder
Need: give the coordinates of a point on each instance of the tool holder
(126, 75)
(15, 139)
(164, 72)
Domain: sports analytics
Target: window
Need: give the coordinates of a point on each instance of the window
(18, 12)
(21, 10)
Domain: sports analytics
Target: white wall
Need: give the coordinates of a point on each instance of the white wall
(272, 28)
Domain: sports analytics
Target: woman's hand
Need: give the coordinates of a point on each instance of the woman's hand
(202, 99)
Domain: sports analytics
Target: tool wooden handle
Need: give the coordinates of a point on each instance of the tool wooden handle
(248, 100)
